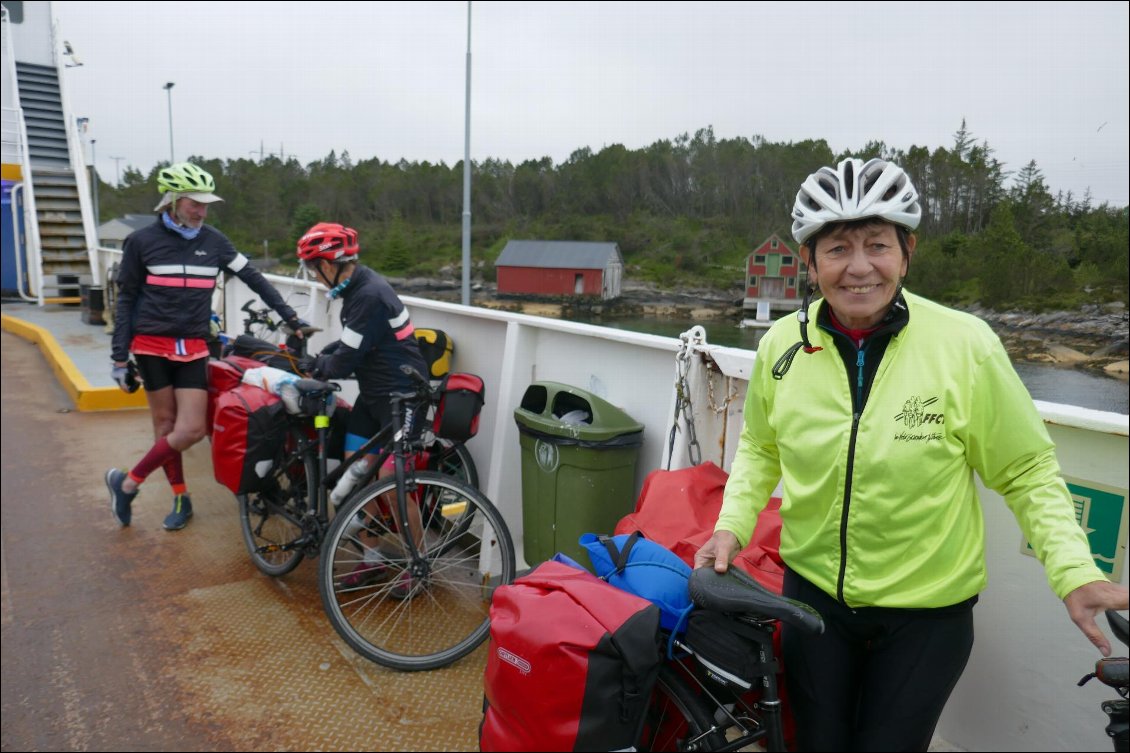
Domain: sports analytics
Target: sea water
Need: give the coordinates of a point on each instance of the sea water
(1047, 382)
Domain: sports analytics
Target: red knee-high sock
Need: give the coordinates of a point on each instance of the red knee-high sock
(174, 471)
(157, 456)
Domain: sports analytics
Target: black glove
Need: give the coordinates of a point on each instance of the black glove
(331, 348)
(126, 377)
(297, 324)
(317, 371)
(305, 365)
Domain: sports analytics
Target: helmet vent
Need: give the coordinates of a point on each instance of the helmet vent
(849, 178)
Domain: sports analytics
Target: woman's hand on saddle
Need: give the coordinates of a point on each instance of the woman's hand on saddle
(718, 552)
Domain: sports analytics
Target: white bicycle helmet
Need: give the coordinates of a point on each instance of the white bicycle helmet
(855, 190)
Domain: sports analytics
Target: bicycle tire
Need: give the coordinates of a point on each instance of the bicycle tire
(453, 459)
(271, 518)
(677, 718)
(441, 619)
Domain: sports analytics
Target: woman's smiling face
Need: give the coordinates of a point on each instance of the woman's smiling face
(858, 269)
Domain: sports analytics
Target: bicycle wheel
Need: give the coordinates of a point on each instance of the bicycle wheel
(422, 619)
(453, 459)
(677, 718)
(272, 519)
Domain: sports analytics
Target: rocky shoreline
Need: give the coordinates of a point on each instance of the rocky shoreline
(1096, 337)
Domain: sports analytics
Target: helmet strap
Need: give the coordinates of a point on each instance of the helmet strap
(785, 362)
(338, 289)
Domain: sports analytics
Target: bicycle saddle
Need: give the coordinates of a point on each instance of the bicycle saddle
(735, 592)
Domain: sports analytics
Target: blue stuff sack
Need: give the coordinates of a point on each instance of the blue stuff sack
(646, 569)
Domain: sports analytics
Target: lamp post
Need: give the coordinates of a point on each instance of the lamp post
(169, 88)
(466, 296)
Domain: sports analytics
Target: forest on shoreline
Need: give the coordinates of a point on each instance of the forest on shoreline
(685, 213)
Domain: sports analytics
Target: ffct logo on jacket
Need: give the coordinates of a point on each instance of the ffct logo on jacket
(914, 415)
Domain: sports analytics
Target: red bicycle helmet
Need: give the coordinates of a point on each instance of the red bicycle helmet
(328, 240)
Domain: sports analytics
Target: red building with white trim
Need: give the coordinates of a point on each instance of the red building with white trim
(774, 276)
(560, 268)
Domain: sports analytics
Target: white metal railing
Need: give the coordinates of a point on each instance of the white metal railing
(78, 161)
(33, 250)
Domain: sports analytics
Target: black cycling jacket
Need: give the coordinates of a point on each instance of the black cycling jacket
(165, 284)
(377, 338)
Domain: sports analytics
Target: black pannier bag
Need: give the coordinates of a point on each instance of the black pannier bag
(437, 349)
(264, 352)
(461, 399)
(727, 649)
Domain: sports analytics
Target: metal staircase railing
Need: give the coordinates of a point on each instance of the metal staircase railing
(63, 257)
(60, 229)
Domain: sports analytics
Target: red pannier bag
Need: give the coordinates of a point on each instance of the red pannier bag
(461, 399)
(225, 374)
(571, 665)
(247, 437)
(678, 509)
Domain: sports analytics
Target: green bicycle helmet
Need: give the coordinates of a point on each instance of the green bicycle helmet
(185, 179)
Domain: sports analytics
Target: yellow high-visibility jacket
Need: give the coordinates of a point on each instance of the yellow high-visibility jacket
(882, 509)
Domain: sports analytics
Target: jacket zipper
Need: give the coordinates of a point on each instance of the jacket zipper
(859, 360)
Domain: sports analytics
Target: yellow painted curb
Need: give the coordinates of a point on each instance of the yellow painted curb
(85, 396)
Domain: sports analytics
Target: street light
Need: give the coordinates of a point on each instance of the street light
(169, 88)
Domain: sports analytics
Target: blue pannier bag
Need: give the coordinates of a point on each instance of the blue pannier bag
(644, 568)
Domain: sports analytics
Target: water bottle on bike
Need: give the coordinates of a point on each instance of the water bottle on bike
(350, 479)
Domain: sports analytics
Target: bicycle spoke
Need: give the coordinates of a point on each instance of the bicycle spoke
(422, 616)
(271, 519)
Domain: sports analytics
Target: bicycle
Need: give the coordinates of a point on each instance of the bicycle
(258, 322)
(441, 455)
(701, 702)
(1115, 673)
(463, 549)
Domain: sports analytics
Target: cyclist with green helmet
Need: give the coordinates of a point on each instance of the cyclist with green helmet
(163, 318)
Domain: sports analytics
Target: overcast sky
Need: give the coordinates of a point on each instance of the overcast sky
(1042, 81)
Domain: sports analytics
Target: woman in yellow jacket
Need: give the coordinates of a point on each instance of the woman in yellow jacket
(875, 407)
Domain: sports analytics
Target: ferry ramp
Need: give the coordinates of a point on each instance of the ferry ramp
(141, 639)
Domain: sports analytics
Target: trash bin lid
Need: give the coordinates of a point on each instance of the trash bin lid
(571, 415)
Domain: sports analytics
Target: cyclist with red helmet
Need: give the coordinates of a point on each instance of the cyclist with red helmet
(876, 408)
(163, 319)
(377, 339)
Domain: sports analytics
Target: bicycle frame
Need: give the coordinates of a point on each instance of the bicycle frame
(401, 449)
(763, 724)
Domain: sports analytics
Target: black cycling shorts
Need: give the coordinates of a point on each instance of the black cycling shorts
(158, 373)
(368, 417)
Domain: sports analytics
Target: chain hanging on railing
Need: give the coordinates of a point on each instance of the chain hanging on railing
(695, 335)
(710, 401)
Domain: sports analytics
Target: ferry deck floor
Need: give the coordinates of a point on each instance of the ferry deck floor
(141, 639)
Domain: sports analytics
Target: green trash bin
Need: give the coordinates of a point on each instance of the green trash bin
(579, 456)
